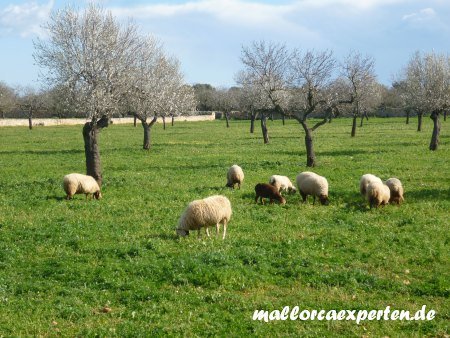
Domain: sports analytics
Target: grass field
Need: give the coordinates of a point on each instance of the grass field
(62, 262)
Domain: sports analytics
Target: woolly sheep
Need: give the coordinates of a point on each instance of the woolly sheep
(396, 188)
(264, 190)
(365, 180)
(81, 184)
(207, 212)
(310, 183)
(377, 194)
(235, 175)
(282, 183)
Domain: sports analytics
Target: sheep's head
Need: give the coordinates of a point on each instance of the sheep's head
(324, 199)
(182, 232)
(292, 189)
(97, 195)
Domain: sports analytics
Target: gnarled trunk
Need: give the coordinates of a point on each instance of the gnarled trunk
(147, 129)
(265, 133)
(30, 122)
(354, 126)
(407, 117)
(252, 122)
(310, 155)
(173, 120)
(135, 121)
(362, 119)
(282, 118)
(227, 118)
(436, 130)
(164, 122)
(419, 121)
(91, 131)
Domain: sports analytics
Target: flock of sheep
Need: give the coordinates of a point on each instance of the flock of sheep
(216, 210)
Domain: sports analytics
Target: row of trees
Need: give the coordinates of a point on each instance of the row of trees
(95, 65)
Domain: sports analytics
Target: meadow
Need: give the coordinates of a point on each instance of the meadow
(63, 262)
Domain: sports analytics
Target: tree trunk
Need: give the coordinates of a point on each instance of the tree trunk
(30, 122)
(282, 118)
(271, 117)
(227, 117)
(164, 122)
(310, 156)
(173, 120)
(252, 122)
(362, 119)
(147, 129)
(445, 115)
(436, 130)
(264, 128)
(91, 148)
(419, 121)
(146, 145)
(354, 126)
(135, 121)
(407, 117)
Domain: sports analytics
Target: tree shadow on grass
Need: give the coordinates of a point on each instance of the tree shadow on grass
(427, 194)
(42, 152)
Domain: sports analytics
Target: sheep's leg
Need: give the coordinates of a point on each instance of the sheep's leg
(198, 233)
(224, 229)
(217, 229)
(314, 199)
(271, 201)
(207, 231)
(256, 199)
(303, 196)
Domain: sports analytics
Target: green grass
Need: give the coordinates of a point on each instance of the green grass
(62, 261)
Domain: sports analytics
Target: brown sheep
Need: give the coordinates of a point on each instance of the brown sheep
(264, 190)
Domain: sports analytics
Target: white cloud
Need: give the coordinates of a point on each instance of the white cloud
(425, 14)
(25, 19)
(227, 10)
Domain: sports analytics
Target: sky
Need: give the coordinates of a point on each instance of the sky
(207, 35)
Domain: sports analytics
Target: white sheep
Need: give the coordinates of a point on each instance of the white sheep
(396, 188)
(81, 184)
(282, 183)
(235, 175)
(377, 193)
(213, 210)
(310, 183)
(365, 180)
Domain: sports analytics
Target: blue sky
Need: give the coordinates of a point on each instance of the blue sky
(207, 35)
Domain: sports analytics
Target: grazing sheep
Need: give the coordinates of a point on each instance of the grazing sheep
(81, 184)
(207, 212)
(396, 188)
(365, 180)
(377, 194)
(310, 183)
(264, 190)
(235, 175)
(282, 183)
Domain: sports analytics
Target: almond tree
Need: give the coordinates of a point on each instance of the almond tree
(7, 99)
(358, 71)
(158, 90)
(31, 101)
(266, 70)
(91, 54)
(312, 79)
(427, 86)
